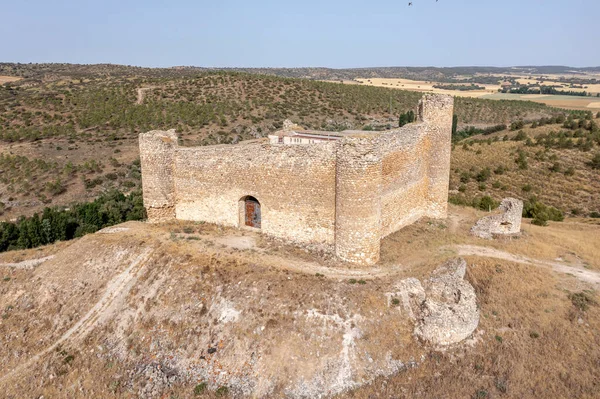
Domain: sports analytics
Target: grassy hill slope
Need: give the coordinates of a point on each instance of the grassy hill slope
(68, 133)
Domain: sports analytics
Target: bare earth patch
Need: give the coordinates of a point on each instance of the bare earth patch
(7, 79)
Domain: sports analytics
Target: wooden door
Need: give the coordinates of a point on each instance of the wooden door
(253, 213)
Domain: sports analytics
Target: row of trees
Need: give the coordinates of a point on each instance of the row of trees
(460, 87)
(55, 224)
(472, 130)
(549, 90)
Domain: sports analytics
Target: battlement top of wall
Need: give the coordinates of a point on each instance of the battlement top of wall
(168, 136)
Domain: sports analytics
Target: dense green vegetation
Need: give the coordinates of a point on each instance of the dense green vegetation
(60, 224)
(540, 212)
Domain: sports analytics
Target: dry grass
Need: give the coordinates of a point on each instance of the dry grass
(534, 343)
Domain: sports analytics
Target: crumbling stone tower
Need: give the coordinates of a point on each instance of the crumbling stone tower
(344, 191)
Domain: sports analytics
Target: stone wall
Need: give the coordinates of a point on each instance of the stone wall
(416, 166)
(295, 186)
(405, 184)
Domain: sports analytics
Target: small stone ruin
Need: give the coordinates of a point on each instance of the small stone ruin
(506, 221)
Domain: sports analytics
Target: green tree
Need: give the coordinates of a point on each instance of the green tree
(454, 124)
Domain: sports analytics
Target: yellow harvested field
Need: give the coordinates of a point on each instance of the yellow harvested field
(423, 86)
(491, 90)
(582, 103)
(6, 79)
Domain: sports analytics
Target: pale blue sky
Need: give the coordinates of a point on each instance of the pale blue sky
(337, 34)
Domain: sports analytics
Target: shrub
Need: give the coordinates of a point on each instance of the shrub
(222, 391)
(517, 125)
(522, 160)
(483, 175)
(595, 162)
(527, 188)
(56, 187)
(459, 200)
(200, 388)
(486, 203)
(570, 171)
(582, 300)
(541, 213)
(540, 220)
(520, 136)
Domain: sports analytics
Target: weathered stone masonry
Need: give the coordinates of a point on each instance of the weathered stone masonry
(345, 194)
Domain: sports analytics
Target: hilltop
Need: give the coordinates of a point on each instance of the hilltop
(155, 310)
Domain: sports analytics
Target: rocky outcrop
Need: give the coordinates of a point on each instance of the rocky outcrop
(444, 308)
(506, 221)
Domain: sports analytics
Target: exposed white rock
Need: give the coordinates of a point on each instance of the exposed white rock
(444, 307)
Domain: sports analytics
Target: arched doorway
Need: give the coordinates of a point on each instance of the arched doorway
(251, 212)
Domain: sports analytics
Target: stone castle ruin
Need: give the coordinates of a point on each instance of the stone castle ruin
(341, 190)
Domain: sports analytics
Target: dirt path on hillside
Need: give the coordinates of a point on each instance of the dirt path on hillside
(140, 94)
(115, 293)
(27, 264)
(368, 273)
(305, 266)
(585, 275)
